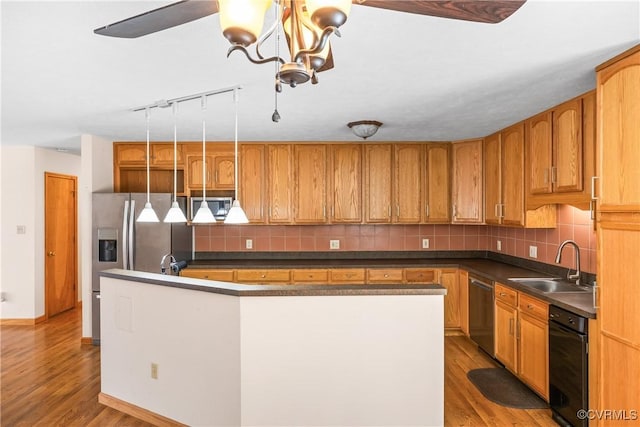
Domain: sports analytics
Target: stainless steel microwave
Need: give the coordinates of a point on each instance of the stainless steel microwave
(219, 206)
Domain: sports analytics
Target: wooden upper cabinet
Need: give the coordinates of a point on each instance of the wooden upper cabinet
(162, 154)
(408, 183)
(224, 172)
(437, 184)
(377, 182)
(252, 185)
(310, 183)
(196, 178)
(618, 86)
(346, 182)
(467, 182)
(280, 178)
(540, 152)
(560, 147)
(493, 179)
(513, 175)
(130, 154)
(566, 173)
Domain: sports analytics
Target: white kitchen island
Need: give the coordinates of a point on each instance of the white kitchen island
(260, 355)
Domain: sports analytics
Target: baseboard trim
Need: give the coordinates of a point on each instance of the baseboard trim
(138, 412)
(23, 322)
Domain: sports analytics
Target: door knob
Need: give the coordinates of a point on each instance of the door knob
(51, 253)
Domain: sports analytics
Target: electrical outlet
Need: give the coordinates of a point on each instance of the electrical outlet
(499, 245)
(248, 244)
(533, 251)
(154, 371)
(21, 229)
(425, 243)
(334, 244)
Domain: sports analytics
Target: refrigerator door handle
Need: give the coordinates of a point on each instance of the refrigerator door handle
(125, 229)
(132, 220)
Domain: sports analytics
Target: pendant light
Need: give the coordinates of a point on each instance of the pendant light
(147, 214)
(204, 214)
(175, 214)
(236, 215)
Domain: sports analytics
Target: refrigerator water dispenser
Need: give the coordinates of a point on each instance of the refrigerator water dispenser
(107, 245)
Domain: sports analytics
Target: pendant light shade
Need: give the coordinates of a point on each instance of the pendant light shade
(236, 215)
(147, 214)
(204, 214)
(175, 214)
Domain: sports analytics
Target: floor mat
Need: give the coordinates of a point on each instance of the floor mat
(502, 387)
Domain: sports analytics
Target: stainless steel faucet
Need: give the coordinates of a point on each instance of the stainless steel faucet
(163, 269)
(570, 276)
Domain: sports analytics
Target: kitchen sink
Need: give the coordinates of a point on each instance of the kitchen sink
(549, 285)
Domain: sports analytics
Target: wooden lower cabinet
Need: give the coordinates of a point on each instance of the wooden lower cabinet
(463, 282)
(385, 275)
(522, 337)
(340, 276)
(449, 279)
(310, 276)
(506, 318)
(264, 276)
(209, 274)
(533, 355)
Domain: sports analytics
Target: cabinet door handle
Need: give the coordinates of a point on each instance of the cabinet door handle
(529, 307)
(398, 211)
(511, 326)
(554, 174)
(595, 296)
(389, 211)
(593, 187)
(427, 210)
(546, 176)
(453, 211)
(495, 210)
(592, 209)
(503, 294)
(51, 253)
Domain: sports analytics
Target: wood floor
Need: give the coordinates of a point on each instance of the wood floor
(49, 379)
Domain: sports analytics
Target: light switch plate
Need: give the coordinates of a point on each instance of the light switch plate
(334, 244)
(533, 251)
(499, 245)
(425, 243)
(248, 244)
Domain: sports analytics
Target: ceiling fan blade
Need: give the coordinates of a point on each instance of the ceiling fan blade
(328, 63)
(160, 19)
(487, 11)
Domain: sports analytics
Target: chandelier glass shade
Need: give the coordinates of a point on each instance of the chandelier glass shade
(307, 24)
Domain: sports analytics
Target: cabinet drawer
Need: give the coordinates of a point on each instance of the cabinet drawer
(420, 275)
(506, 295)
(310, 276)
(348, 275)
(533, 307)
(263, 276)
(222, 275)
(384, 275)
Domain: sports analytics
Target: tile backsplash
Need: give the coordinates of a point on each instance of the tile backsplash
(572, 224)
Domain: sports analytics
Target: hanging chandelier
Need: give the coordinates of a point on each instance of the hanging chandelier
(307, 24)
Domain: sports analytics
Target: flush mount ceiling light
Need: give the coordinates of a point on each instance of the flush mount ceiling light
(365, 128)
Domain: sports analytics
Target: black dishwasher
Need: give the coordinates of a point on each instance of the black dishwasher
(568, 366)
(481, 313)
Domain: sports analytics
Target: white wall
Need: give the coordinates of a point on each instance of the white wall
(22, 184)
(97, 175)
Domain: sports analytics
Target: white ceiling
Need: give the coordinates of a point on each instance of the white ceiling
(425, 78)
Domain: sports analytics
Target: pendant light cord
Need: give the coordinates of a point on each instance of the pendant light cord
(235, 101)
(204, 143)
(146, 114)
(175, 152)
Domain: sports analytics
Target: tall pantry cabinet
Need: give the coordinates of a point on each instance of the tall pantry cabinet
(615, 340)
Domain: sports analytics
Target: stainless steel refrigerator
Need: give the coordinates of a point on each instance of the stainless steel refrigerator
(121, 242)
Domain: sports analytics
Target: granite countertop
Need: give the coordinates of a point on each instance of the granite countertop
(495, 270)
(241, 290)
